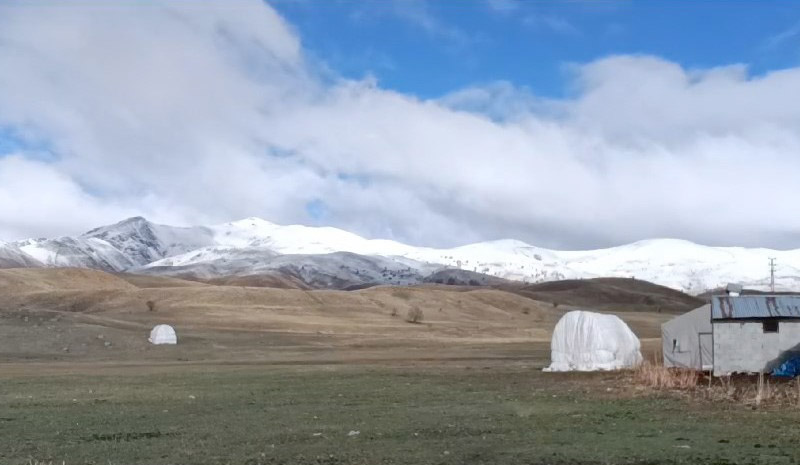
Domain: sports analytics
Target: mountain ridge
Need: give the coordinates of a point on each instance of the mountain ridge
(332, 257)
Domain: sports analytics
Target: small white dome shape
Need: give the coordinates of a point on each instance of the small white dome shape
(587, 341)
(163, 334)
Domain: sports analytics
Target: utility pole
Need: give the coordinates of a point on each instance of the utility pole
(772, 274)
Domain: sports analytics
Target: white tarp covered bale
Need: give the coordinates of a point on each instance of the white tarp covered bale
(163, 334)
(587, 341)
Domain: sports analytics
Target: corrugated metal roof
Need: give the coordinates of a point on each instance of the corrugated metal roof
(755, 306)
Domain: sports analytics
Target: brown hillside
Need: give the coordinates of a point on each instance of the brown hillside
(65, 314)
(611, 294)
(276, 280)
(148, 281)
(25, 280)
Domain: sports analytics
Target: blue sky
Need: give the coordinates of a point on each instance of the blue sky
(430, 48)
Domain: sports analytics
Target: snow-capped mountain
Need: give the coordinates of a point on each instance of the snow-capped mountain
(12, 257)
(330, 257)
(689, 267)
(121, 246)
(78, 251)
(330, 270)
(143, 242)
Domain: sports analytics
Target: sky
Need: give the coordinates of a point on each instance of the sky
(568, 125)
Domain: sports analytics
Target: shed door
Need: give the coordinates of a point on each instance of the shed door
(706, 351)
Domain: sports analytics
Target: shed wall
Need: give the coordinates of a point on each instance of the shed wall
(686, 340)
(744, 347)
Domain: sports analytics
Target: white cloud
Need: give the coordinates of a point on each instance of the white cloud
(191, 113)
(501, 101)
(36, 199)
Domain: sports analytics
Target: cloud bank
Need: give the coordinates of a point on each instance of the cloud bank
(189, 112)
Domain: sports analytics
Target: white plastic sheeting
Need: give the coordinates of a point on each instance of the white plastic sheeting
(687, 340)
(163, 334)
(587, 341)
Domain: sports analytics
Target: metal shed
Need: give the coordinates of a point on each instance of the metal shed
(754, 333)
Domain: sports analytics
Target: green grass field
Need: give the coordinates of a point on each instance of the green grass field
(430, 415)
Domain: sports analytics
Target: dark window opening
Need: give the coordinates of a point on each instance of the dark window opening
(770, 326)
(674, 344)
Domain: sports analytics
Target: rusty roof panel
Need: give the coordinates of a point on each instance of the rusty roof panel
(755, 306)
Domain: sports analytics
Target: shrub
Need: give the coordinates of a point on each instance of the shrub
(151, 305)
(656, 375)
(414, 315)
(750, 390)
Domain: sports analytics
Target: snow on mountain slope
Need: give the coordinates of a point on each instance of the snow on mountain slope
(687, 266)
(12, 257)
(212, 254)
(253, 245)
(79, 252)
(333, 270)
(297, 239)
(117, 247)
(509, 259)
(675, 263)
(144, 242)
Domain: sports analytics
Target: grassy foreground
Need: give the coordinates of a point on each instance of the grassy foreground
(447, 415)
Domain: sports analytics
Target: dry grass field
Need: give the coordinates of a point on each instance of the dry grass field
(283, 376)
(84, 315)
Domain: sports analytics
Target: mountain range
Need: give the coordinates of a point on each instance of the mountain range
(325, 257)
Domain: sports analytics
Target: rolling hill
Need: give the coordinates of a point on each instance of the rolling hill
(613, 294)
(51, 314)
